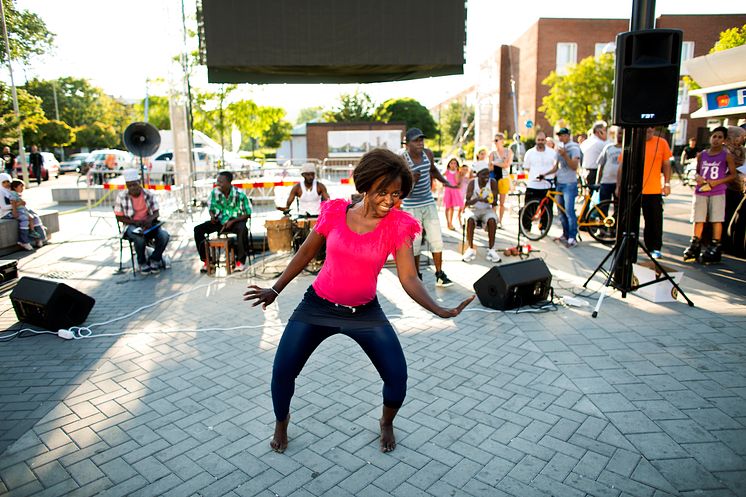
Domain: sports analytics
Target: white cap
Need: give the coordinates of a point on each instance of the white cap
(479, 165)
(5, 177)
(307, 168)
(130, 175)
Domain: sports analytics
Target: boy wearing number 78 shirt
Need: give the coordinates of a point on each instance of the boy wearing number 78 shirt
(715, 169)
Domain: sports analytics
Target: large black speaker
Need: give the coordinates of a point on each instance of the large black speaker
(646, 86)
(49, 304)
(514, 285)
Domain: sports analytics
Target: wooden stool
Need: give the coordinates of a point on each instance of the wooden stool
(214, 248)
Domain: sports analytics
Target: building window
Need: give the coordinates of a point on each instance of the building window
(687, 50)
(602, 48)
(567, 55)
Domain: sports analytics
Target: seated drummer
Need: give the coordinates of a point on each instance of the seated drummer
(309, 192)
(229, 208)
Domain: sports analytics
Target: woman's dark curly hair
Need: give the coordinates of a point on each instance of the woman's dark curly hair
(381, 162)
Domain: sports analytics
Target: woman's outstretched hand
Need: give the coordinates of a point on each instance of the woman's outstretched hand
(452, 313)
(264, 296)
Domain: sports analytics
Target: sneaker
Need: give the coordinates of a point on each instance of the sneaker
(203, 269)
(442, 280)
(656, 254)
(165, 262)
(39, 243)
(561, 239)
(493, 256)
(26, 246)
(571, 242)
(150, 268)
(499, 225)
(239, 267)
(469, 255)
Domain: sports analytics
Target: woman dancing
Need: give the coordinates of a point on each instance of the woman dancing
(359, 237)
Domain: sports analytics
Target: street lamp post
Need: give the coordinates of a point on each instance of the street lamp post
(21, 151)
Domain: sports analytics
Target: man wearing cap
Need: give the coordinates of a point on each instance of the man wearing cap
(309, 192)
(229, 208)
(420, 202)
(568, 162)
(137, 209)
(481, 198)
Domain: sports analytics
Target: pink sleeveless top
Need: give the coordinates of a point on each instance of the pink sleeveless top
(353, 261)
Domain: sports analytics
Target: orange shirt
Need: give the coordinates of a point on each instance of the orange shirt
(657, 153)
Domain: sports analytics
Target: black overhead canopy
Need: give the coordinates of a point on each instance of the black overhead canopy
(332, 41)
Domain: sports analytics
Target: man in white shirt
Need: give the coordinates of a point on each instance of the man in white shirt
(539, 160)
(592, 148)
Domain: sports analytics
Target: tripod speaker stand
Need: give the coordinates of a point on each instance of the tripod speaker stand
(617, 254)
(645, 95)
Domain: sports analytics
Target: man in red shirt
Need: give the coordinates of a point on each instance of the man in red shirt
(138, 210)
(657, 155)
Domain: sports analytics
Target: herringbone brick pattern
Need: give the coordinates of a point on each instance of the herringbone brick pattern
(646, 400)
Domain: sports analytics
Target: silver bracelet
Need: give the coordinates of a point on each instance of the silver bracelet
(273, 289)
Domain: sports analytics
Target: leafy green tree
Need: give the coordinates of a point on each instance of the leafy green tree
(79, 102)
(352, 107)
(279, 128)
(96, 135)
(455, 116)
(309, 114)
(159, 113)
(730, 38)
(30, 110)
(583, 96)
(27, 34)
(50, 134)
(409, 111)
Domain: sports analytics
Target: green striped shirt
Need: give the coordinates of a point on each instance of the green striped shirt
(234, 205)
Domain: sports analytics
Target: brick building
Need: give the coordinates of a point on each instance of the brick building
(553, 45)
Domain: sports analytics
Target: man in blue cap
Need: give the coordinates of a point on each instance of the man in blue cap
(420, 202)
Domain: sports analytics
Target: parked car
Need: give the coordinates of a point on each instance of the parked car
(206, 160)
(162, 166)
(74, 163)
(106, 163)
(51, 167)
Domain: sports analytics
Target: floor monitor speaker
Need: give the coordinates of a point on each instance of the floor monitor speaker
(49, 304)
(514, 285)
(646, 87)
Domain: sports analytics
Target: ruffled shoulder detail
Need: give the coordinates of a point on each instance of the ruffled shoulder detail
(400, 228)
(329, 215)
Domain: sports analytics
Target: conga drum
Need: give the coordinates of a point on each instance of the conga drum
(279, 234)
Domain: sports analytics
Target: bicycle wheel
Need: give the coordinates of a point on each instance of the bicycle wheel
(535, 219)
(601, 222)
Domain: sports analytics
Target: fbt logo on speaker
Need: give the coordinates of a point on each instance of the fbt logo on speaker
(647, 116)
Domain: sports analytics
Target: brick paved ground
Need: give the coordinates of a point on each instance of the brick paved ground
(646, 400)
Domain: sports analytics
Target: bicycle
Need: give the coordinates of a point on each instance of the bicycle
(535, 218)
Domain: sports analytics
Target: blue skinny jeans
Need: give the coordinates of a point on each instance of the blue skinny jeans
(299, 340)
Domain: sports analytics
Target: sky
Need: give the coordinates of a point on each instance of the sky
(118, 45)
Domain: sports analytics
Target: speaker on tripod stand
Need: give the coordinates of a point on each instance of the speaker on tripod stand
(142, 140)
(646, 88)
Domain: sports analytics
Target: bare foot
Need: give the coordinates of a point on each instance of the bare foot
(388, 441)
(279, 441)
